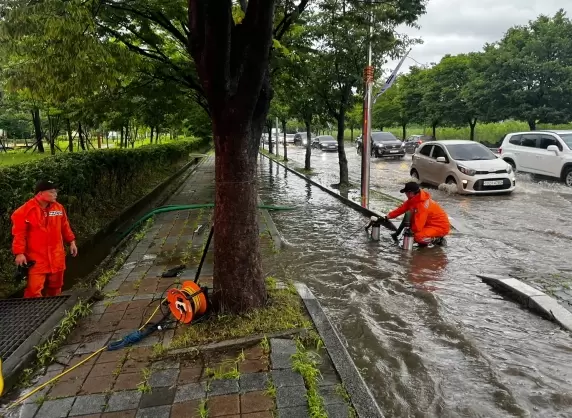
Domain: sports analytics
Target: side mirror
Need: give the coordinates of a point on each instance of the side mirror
(441, 160)
(553, 148)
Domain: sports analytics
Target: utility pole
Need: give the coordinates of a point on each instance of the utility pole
(366, 132)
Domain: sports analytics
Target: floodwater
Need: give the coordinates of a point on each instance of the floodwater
(430, 338)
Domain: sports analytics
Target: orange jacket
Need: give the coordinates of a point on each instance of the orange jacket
(426, 213)
(40, 233)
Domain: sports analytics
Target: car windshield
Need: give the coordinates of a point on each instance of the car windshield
(383, 137)
(567, 138)
(470, 152)
(326, 139)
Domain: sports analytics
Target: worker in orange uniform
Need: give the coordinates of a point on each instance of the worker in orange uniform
(429, 222)
(40, 227)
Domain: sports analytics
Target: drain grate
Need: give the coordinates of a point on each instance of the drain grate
(19, 318)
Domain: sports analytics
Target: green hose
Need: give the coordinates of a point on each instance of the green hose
(172, 208)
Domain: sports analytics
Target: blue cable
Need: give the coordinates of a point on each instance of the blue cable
(130, 339)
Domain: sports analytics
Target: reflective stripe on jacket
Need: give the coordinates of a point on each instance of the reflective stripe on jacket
(40, 234)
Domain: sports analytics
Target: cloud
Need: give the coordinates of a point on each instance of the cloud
(459, 26)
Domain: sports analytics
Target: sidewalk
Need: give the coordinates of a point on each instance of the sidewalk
(255, 381)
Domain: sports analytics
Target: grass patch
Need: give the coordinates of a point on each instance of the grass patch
(284, 311)
(343, 393)
(18, 157)
(144, 386)
(309, 172)
(202, 410)
(305, 363)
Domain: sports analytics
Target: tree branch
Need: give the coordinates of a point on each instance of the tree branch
(289, 19)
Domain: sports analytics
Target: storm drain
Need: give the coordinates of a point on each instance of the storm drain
(19, 318)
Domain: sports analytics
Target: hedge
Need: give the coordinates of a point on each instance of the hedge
(94, 187)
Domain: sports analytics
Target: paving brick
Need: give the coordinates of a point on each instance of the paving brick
(120, 414)
(190, 392)
(330, 395)
(190, 375)
(28, 410)
(155, 412)
(223, 387)
(125, 400)
(255, 402)
(102, 369)
(56, 408)
(97, 385)
(252, 382)
(254, 352)
(65, 388)
(189, 409)
(223, 405)
(161, 378)
(290, 396)
(93, 345)
(111, 356)
(286, 377)
(338, 411)
(296, 412)
(261, 414)
(253, 366)
(157, 397)
(126, 381)
(90, 404)
(166, 364)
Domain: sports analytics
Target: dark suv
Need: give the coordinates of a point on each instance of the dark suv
(383, 144)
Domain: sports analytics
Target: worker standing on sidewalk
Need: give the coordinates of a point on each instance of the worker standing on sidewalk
(40, 227)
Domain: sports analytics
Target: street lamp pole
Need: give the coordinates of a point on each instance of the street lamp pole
(366, 131)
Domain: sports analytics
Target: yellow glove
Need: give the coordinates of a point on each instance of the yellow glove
(1, 379)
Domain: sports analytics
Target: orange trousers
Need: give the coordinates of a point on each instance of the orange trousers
(53, 284)
(426, 235)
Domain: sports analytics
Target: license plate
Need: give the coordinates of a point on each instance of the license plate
(493, 183)
(394, 150)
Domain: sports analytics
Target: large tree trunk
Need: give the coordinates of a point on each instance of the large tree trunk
(269, 128)
(342, 160)
(308, 145)
(81, 139)
(232, 64)
(532, 124)
(151, 141)
(284, 134)
(404, 126)
(434, 127)
(472, 124)
(38, 129)
(352, 132)
(70, 136)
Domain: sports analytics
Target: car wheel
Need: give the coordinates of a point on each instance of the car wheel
(400, 157)
(452, 182)
(414, 174)
(568, 177)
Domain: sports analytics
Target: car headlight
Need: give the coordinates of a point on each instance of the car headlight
(402, 144)
(380, 145)
(509, 169)
(465, 170)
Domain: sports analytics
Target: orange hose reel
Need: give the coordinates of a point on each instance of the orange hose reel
(187, 302)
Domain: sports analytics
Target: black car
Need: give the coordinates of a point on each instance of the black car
(413, 142)
(383, 144)
(300, 138)
(325, 143)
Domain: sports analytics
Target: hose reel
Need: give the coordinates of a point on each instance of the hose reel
(188, 303)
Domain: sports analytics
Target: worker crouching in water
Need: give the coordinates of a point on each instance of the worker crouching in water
(40, 227)
(429, 222)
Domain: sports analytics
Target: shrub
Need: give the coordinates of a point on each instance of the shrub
(94, 186)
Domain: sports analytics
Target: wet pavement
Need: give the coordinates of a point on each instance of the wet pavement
(431, 339)
(527, 234)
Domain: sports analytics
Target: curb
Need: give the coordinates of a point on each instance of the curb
(368, 212)
(531, 298)
(276, 237)
(361, 397)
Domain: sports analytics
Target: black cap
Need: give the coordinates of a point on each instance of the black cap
(44, 185)
(410, 186)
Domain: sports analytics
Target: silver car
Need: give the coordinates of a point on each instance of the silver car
(471, 166)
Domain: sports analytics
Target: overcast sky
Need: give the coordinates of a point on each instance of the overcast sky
(458, 26)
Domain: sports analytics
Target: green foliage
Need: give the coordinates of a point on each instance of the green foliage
(526, 76)
(94, 186)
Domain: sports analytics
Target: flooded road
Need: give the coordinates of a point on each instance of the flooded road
(430, 338)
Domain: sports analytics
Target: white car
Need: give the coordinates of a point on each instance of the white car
(470, 165)
(547, 153)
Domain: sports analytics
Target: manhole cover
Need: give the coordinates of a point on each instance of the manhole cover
(19, 318)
